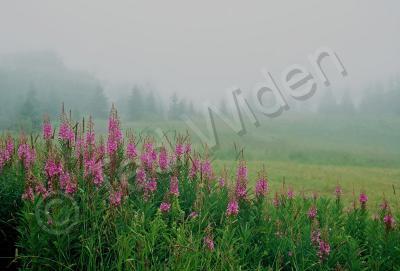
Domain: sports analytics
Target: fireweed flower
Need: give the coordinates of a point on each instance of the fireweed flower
(114, 134)
(174, 186)
(163, 159)
(209, 243)
(28, 194)
(193, 215)
(389, 221)
(179, 150)
(188, 148)
(338, 192)
(66, 133)
(233, 208)
(312, 213)
(290, 193)
(165, 207)
(115, 198)
(261, 187)
(324, 250)
(27, 155)
(241, 181)
(47, 130)
(194, 168)
(94, 169)
(206, 169)
(384, 205)
(221, 182)
(151, 185)
(52, 168)
(140, 176)
(131, 151)
(363, 199)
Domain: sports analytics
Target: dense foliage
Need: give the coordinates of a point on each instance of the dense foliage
(129, 204)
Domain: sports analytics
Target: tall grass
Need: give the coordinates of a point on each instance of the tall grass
(126, 203)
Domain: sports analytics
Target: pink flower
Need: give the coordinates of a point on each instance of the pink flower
(193, 215)
(27, 155)
(141, 176)
(163, 159)
(233, 208)
(70, 187)
(179, 150)
(47, 130)
(221, 182)
(312, 212)
(165, 207)
(290, 193)
(338, 191)
(151, 186)
(194, 169)
(209, 243)
(363, 199)
(94, 168)
(174, 186)
(241, 191)
(241, 181)
(52, 169)
(324, 249)
(188, 148)
(114, 134)
(384, 205)
(131, 151)
(389, 221)
(206, 170)
(28, 194)
(261, 187)
(66, 133)
(116, 198)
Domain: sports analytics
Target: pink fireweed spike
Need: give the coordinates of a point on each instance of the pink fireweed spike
(151, 186)
(115, 198)
(363, 200)
(174, 186)
(241, 181)
(140, 176)
(114, 134)
(221, 182)
(290, 193)
(163, 159)
(47, 130)
(194, 170)
(206, 170)
(179, 150)
(338, 192)
(66, 134)
(27, 155)
(233, 208)
(53, 169)
(324, 250)
(209, 243)
(165, 207)
(131, 151)
(261, 187)
(312, 213)
(389, 221)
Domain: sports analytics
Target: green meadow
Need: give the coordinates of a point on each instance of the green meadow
(305, 152)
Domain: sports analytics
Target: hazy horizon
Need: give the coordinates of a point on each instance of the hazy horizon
(199, 49)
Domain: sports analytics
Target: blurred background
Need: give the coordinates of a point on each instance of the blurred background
(157, 61)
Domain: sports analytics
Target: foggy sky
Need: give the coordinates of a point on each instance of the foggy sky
(201, 48)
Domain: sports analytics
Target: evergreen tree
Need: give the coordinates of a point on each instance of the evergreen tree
(328, 103)
(174, 107)
(136, 104)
